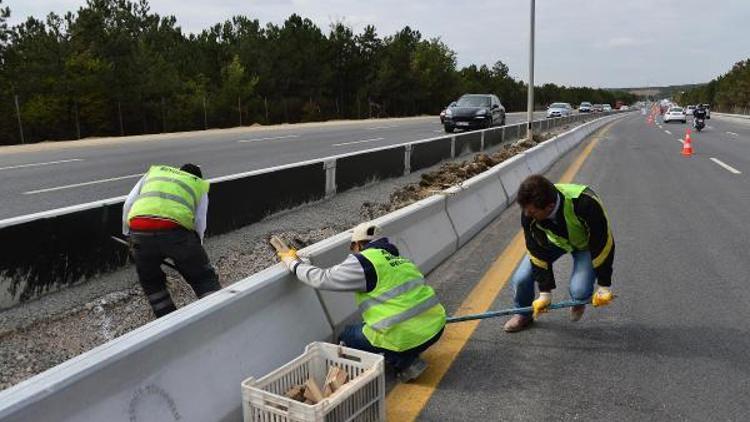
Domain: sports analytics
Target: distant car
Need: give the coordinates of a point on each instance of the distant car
(606, 108)
(597, 108)
(689, 109)
(559, 110)
(474, 111)
(584, 107)
(675, 114)
(624, 107)
(708, 110)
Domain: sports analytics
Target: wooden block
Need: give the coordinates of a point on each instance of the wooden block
(327, 390)
(279, 244)
(335, 378)
(341, 378)
(312, 391)
(296, 393)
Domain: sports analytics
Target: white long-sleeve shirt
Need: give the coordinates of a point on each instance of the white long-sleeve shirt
(348, 276)
(200, 211)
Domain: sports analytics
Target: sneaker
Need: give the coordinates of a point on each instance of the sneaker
(413, 371)
(576, 312)
(518, 323)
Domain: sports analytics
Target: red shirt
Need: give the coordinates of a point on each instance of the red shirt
(150, 224)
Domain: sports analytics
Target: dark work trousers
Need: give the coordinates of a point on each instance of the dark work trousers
(354, 337)
(187, 253)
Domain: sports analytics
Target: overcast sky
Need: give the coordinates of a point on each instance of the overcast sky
(601, 43)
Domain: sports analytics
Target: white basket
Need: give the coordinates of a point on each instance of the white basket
(361, 399)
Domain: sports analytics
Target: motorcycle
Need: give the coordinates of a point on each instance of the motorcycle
(699, 124)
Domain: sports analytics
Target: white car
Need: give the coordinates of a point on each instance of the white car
(559, 110)
(675, 114)
(624, 107)
(606, 108)
(689, 110)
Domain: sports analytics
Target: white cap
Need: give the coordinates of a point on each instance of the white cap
(365, 231)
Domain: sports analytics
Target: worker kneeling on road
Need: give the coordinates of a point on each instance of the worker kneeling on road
(559, 219)
(402, 315)
(165, 215)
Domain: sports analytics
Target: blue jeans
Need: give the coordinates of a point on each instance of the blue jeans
(581, 281)
(354, 337)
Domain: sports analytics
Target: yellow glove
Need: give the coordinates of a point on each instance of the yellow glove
(289, 257)
(602, 297)
(541, 304)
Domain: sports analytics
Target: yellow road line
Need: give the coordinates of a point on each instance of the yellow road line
(406, 401)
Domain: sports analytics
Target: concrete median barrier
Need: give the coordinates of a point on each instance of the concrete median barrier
(186, 366)
(474, 203)
(511, 173)
(541, 157)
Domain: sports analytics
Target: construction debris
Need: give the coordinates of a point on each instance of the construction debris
(310, 392)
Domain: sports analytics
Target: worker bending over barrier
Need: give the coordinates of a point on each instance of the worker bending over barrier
(165, 216)
(402, 315)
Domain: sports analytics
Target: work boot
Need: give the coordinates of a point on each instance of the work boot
(576, 312)
(518, 323)
(413, 371)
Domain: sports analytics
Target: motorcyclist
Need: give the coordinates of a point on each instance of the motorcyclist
(699, 114)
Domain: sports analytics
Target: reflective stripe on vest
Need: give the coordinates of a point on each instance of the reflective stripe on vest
(401, 312)
(390, 294)
(169, 193)
(179, 182)
(578, 235)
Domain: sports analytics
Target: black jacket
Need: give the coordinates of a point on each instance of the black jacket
(543, 253)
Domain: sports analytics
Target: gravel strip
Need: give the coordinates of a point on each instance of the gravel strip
(46, 332)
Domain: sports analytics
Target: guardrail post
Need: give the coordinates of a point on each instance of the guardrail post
(407, 160)
(502, 136)
(329, 167)
(481, 141)
(453, 146)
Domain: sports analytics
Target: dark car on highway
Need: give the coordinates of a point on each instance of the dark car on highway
(474, 111)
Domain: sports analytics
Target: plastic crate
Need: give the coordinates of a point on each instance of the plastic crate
(361, 399)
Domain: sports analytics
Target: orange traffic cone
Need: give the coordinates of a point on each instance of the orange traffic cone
(687, 145)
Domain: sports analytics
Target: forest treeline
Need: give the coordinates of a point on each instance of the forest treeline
(114, 67)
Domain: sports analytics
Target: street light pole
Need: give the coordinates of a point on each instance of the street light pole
(530, 104)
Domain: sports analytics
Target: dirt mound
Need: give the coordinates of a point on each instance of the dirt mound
(449, 174)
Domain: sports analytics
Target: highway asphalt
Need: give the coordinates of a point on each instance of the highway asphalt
(673, 346)
(43, 177)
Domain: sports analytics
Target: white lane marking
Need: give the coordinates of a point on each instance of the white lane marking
(243, 141)
(728, 133)
(438, 131)
(381, 127)
(76, 185)
(48, 163)
(668, 132)
(363, 141)
(710, 127)
(726, 166)
(680, 141)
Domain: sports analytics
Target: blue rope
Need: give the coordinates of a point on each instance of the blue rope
(513, 311)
